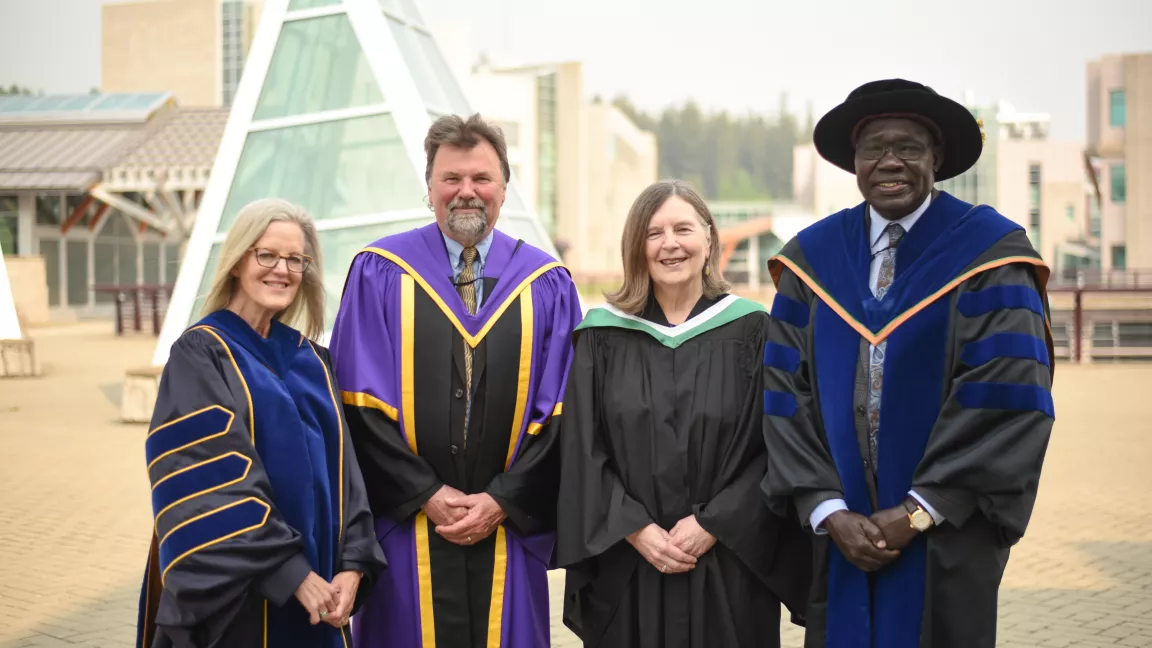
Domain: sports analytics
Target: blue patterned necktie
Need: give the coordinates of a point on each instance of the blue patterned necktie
(467, 289)
(895, 232)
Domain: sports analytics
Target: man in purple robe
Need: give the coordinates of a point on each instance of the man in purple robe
(452, 349)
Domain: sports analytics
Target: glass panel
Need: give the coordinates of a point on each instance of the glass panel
(50, 250)
(205, 284)
(1119, 257)
(126, 261)
(48, 210)
(433, 78)
(104, 257)
(151, 263)
(10, 224)
(309, 4)
(171, 263)
(9, 234)
(1119, 177)
(78, 273)
(456, 101)
(318, 65)
(73, 201)
(338, 246)
(1117, 109)
(410, 12)
(335, 169)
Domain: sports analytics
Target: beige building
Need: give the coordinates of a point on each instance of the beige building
(195, 49)
(578, 164)
(1120, 156)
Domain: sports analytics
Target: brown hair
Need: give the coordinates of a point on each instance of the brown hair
(454, 130)
(633, 294)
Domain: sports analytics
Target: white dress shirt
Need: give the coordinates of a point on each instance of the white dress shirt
(879, 243)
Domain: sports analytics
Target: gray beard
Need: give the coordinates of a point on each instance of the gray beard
(467, 228)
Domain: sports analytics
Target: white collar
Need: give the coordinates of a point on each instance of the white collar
(879, 223)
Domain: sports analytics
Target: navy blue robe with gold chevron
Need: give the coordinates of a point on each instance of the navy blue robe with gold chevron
(967, 414)
(254, 486)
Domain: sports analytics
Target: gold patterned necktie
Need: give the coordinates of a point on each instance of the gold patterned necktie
(884, 281)
(466, 286)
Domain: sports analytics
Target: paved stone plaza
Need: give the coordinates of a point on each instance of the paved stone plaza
(75, 515)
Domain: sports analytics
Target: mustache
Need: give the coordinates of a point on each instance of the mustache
(473, 203)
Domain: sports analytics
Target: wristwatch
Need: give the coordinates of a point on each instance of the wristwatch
(918, 518)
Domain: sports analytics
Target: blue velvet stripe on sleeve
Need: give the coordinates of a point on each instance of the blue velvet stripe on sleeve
(1005, 345)
(779, 404)
(1005, 396)
(211, 528)
(186, 431)
(982, 302)
(789, 310)
(781, 357)
(199, 479)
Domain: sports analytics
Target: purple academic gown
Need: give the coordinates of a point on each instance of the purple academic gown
(392, 359)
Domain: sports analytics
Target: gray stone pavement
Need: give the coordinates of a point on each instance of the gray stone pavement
(74, 510)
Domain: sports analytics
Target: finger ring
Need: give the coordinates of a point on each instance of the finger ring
(664, 568)
(469, 538)
(323, 614)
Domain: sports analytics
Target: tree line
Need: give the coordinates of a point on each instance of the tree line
(725, 156)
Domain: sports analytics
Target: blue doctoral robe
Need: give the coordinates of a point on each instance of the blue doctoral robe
(254, 486)
(967, 412)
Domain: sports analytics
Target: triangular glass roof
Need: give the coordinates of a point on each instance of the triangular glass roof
(331, 114)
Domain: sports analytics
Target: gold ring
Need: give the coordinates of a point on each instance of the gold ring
(664, 568)
(324, 614)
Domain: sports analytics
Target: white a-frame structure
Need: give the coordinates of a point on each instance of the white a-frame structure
(331, 114)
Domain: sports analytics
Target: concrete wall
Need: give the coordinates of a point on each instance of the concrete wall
(163, 45)
(1061, 186)
(29, 288)
(622, 161)
(1138, 159)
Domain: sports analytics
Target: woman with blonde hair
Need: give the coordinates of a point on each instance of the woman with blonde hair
(662, 530)
(262, 533)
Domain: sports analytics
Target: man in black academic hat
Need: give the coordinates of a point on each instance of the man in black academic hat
(908, 382)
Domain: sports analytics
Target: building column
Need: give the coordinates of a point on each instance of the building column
(26, 230)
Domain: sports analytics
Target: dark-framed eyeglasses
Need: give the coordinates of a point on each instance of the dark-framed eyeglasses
(297, 263)
(907, 150)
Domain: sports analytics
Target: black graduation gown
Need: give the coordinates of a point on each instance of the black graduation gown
(654, 434)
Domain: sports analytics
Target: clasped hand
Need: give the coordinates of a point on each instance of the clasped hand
(871, 543)
(675, 551)
(463, 519)
(329, 602)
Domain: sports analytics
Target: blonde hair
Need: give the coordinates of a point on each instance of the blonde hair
(306, 311)
(633, 294)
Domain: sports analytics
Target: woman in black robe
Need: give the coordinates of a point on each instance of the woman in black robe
(661, 526)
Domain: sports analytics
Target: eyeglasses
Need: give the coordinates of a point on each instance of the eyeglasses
(270, 259)
(906, 150)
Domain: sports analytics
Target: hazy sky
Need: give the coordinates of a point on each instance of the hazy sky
(732, 54)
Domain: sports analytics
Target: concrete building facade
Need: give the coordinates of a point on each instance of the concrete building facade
(1119, 147)
(195, 49)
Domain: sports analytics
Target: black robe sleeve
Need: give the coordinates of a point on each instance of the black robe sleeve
(527, 491)
(361, 551)
(986, 455)
(218, 529)
(595, 510)
(800, 466)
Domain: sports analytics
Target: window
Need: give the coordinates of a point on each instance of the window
(1034, 218)
(1094, 227)
(1117, 108)
(1070, 211)
(1034, 186)
(48, 209)
(9, 225)
(1119, 176)
(318, 65)
(1119, 257)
